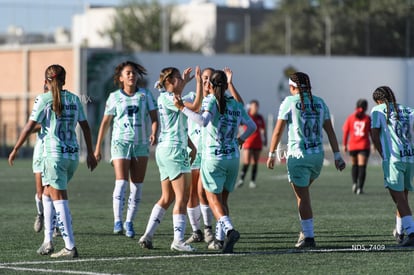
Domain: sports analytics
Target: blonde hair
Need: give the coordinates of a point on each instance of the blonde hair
(165, 74)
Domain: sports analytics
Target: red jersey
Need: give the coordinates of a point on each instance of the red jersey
(356, 132)
(254, 141)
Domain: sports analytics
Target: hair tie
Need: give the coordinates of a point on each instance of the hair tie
(158, 86)
(50, 78)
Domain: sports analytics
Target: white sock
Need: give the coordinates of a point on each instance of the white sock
(118, 199)
(220, 235)
(408, 224)
(157, 214)
(179, 222)
(207, 214)
(226, 224)
(194, 216)
(134, 199)
(48, 212)
(39, 205)
(64, 221)
(399, 225)
(307, 228)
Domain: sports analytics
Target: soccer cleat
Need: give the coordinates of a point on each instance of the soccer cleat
(56, 232)
(208, 234)
(398, 237)
(239, 183)
(215, 245)
(359, 191)
(196, 237)
(118, 227)
(46, 249)
(38, 224)
(305, 242)
(129, 229)
(145, 242)
(66, 253)
(232, 237)
(252, 184)
(409, 241)
(182, 246)
(354, 188)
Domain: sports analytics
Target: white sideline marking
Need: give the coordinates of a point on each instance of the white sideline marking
(14, 265)
(51, 270)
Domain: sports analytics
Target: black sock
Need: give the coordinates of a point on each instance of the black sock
(243, 171)
(361, 175)
(254, 172)
(354, 173)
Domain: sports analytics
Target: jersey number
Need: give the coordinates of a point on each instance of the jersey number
(64, 132)
(359, 127)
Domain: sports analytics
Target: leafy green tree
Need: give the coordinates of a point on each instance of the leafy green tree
(344, 27)
(138, 26)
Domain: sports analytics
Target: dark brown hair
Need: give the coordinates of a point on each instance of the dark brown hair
(386, 95)
(219, 82)
(140, 70)
(304, 85)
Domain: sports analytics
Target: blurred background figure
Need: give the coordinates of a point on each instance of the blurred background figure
(356, 141)
(253, 145)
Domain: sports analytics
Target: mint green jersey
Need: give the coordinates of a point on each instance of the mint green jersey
(173, 123)
(60, 139)
(194, 130)
(396, 135)
(131, 115)
(304, 127)
(220, 135)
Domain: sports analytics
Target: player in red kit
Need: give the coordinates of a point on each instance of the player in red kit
(356, 141)
(253, 145)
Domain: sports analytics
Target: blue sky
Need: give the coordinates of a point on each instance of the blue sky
(44, 16)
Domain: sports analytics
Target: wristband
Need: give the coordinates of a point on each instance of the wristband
(337, 156)
(272, 155)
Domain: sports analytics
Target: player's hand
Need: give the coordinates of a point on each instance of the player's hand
(98, 155)
(270, 163)
(12, 156)
(339, 161)
(153, 140)
(229, 74)
(340, 164)
(187, 77)
(91, 161)
(178, 102)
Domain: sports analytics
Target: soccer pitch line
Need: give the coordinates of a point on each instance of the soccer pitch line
(17, 266)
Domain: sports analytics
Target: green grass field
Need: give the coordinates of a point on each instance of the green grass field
(266, 218)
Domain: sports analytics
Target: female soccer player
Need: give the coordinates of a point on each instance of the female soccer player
(172, 158)
(356, 141)
(305, 115)
(392, 132)
(197, 206)
(134, 112)
(221, 116)
(58, 111)
(253, 145)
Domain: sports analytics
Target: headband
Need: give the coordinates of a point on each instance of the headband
(291, 82)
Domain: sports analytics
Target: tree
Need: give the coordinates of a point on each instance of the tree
(338, 27)
(138, 26)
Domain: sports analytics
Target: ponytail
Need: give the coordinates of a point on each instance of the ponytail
(219, 83)
(55, 75)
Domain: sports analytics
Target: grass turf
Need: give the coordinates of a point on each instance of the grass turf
(353, 233)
